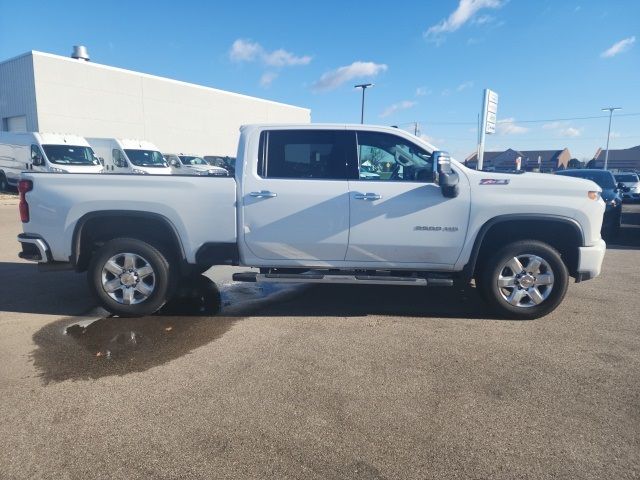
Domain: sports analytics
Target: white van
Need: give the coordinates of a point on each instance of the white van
(129, 156)
(43, 152)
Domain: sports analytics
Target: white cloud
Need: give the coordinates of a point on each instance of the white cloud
(563, 129)
(282, 58)
(464, 86)
(422, 91)
(570, 132)
(482, 19)
(508, 126)
(244, 50)
(404, 105)
(333, 79)
(267, 79)
(618, 47)
(465, 12)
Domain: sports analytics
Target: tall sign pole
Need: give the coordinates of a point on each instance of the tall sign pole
(606, 155)
(487, 122)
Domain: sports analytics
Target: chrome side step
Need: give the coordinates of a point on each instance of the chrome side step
(352, 278)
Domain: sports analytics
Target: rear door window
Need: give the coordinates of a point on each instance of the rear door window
(303, 154)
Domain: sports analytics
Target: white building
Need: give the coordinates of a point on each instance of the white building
(50, 93)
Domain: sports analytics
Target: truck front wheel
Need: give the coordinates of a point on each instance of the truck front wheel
(524, 280)
(130, 277)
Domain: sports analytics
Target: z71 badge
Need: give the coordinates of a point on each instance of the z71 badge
(494, 181)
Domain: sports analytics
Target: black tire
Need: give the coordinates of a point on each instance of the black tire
(528, 309)
(4, 184)
(612, 229)
(162, 278)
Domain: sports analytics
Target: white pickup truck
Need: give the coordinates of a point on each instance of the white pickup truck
(302, 209)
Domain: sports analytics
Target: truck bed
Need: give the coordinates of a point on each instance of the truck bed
(201, 209)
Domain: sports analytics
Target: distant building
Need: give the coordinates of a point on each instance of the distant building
(50, 93)
(542, 160)
(624, 159)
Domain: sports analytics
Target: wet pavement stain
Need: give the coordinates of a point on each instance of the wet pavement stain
(72, 350)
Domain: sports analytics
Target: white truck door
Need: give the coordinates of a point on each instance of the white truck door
(295, 199)
(398, 212)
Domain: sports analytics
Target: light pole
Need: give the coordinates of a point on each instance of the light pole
(363, 86)
(606, 154)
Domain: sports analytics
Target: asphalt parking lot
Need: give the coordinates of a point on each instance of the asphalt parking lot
(322, 382)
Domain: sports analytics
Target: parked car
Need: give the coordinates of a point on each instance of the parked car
(610, 194)
(299, 212)
(129, 156)
(629, 182)
(43, 152)
(193, 165)
(228, 163)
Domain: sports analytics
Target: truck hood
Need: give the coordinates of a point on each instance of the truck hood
(531, 182)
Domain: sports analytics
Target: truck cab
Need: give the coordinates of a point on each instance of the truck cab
(129, 156)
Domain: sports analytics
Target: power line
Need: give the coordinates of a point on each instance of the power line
(564, 119)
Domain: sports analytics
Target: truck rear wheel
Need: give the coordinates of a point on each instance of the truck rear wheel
(130, 277)
(524, 280)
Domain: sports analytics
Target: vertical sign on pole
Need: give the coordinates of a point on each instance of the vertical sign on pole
(487, 121)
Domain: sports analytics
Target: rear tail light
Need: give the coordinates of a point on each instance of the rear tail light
(24, 186)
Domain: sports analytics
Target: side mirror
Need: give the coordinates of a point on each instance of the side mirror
(37, 160)
(445, 176)
(174, 163)
(120, 162)
(101, 160)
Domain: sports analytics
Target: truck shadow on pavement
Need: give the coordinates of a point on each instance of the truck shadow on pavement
(25, 290)
(91, 348)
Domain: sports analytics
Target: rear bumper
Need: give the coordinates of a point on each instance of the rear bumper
(34, 248)
(590, 261)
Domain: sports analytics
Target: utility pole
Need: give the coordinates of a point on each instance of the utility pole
(415, 128)
(606, 155)
(363, 86)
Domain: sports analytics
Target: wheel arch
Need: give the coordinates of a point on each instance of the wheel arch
(101, 226)
(562, 233)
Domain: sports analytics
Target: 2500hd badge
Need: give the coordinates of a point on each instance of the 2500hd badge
(431, 228)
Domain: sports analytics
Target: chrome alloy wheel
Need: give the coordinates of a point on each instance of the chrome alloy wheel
(525, 280)
(128, 278)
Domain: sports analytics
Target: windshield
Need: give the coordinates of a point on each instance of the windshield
(146, 158)
(603, 179)
(70, 155)
(627, 177)
(189, 160)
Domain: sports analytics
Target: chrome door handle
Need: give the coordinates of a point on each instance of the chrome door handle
(263, 194)
(367, 196)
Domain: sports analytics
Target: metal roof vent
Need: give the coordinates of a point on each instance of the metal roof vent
(80, 52)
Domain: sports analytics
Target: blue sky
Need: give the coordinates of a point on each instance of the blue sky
(548, 60)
